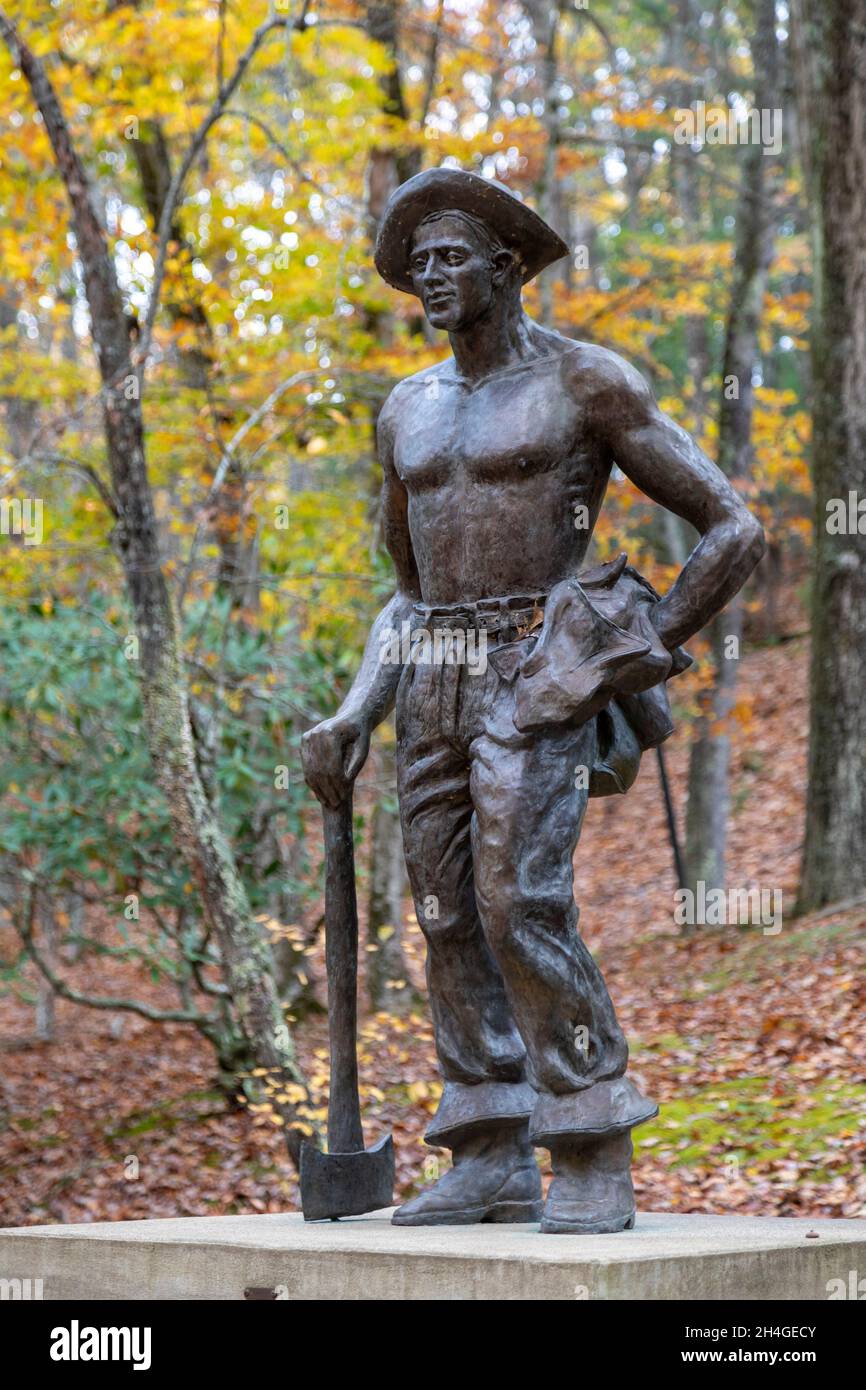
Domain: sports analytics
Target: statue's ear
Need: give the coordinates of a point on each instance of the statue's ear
(502, 261)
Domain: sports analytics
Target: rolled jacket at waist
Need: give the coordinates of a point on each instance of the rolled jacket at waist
(587, 650)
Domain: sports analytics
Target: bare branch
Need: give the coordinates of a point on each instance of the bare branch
(25, 928)
(228, 458)
(432, 65)
(600, 29)
(350, 203)
(196, 144)
(110, 333)
(83, 470)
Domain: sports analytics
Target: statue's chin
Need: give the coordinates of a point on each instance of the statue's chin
(444, 318)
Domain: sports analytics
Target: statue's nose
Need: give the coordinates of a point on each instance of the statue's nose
(433, 272)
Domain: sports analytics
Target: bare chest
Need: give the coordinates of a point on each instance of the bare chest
(505, 430)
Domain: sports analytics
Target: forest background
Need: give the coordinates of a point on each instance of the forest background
(195, 348)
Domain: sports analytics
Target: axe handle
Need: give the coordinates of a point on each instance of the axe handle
(345, 1134)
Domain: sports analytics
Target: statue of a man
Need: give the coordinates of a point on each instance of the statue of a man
(495, 466)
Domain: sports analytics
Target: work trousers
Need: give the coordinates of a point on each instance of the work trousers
(524, 1025)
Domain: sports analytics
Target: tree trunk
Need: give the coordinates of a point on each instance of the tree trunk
(387, 169)
(545, 17)
(232, 525)
(830, 38)
(684, 39)
(20, 415)
(207, 854)
(45, 996)
(709, 764)
(389, 166)
(297, 984)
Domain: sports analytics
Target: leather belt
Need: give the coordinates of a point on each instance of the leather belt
(514, 615)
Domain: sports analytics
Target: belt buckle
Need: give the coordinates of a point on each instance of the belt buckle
(507, 621)
(535, 617)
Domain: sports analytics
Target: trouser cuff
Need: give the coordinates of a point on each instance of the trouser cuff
(604, 1109)
(465, 1108)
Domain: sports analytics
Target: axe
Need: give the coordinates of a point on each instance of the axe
(348, 1179)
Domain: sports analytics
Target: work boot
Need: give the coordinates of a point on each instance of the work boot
(591, 1192)
(494, 1178)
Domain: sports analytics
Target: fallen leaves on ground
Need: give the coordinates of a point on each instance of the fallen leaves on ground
(750, 1042)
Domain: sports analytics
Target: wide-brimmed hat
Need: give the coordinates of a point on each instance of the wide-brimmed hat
(439, 190)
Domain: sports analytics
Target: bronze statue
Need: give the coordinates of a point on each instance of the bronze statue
(495, 466)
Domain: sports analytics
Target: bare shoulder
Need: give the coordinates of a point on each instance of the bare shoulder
(608, 383)
(404, 396)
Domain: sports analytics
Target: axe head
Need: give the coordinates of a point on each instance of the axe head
(335, 1185)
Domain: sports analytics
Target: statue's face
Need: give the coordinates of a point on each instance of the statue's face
(451, 273)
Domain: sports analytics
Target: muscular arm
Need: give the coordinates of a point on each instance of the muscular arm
(334, 752)
(666, 464)
(372, 694)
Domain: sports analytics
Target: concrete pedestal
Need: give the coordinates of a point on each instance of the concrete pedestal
(221, 1257)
